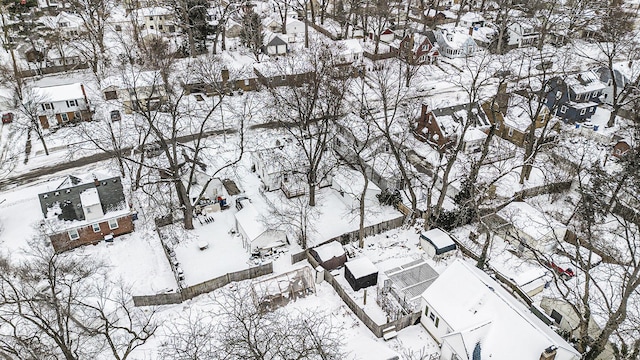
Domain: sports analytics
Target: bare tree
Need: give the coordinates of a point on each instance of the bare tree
(58, 306)
(309, 104)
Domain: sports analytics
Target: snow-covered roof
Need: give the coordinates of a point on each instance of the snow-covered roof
(352, 182)
(438, 238)
(329, 251)
(134, 79)
(471, 17)
(474, 134)
(361, 267)
(455, 38)
(585, 82)
(518, 111)
(480, 311)
(62, 20)
(528, 219)
(153, 11)
(89, 197)
(350, 46)
(249, 219)
(58, 93)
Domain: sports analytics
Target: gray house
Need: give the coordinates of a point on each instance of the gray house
(274, 44)
(575, 98)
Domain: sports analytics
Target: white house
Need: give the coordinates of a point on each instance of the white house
(256, 236)
(140, 90)
(455, 42)
(159, 19)
(471, 19)
(522, 34)
(60, 104)
(527, 227)
(472, 317)
(275, 44)
(349, 185)
(350, 51)
(68, 25)
(295, 30)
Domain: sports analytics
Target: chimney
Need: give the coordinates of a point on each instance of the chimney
(549, 353)
(470, 30)
(502, 99)
(225, 75)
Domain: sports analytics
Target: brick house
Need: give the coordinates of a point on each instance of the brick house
(512, 116)
(419, 48)
(621, 146)
(441, 127)
(84, 211)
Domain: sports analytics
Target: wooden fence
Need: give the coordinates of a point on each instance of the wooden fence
(352, 236)
(190, 292)
(375, 328)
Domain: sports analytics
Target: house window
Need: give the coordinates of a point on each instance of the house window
(595, 94)
(64, 117)
(160, 27)
(110, 95)
(578, 97)
(151, 27)
(113, 224)
(426, 310)
(118, 28)
(72, 103)
(510, 131)
(592, 109)
(437, 321)
(246, 82)
(563, 109)
(497, 126)
(558, 95)
(47, 106)
(432, 316)
(96, 227)
(150, 18)
(583, 111)
(73, 234)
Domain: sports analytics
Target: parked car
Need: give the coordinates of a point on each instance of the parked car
(565, 273)
(115, 115)
(7, 118)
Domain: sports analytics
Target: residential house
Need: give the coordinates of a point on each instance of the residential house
(281, 72)
(349, 51)
(85, 210)
(442, 127)
(436, 242)
(528, 228)
(627, 75)
(66, 25)
(64, 56)
(61, 104)
(471, 316)
(295, 30)
(565, 317)
(522, 33)
(349, 185)
(575, 98)
(270, 24)
(456, 42)
(257, 236)
(387, 36)
(159, 19)
(512, 117)
(232, 29)
(471, 19)
(419, 48)
(275, 44)
(142, 90)
(381, 166)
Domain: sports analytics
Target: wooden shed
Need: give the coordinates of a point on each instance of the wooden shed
(330, 256)
(360, 273)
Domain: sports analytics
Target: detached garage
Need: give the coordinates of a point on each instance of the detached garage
(360, 273)
(436, 242)
(330, 256)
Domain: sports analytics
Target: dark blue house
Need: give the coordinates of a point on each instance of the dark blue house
(575, 98)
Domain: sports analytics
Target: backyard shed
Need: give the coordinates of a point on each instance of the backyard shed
(360, 273)
(436, 242)
(330, 256)
(256, 236)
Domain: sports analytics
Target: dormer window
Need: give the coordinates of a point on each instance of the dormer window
(57, 193)
(558, 95)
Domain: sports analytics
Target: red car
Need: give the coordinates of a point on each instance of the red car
(7, 118)
(564, 273)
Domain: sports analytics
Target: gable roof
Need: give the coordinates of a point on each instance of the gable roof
(58, 93)
(479, 310)
(451, 119)
(66, 201)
